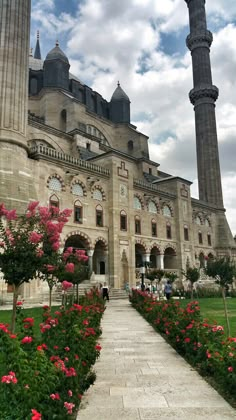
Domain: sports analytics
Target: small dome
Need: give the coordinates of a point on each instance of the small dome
(57, 54)
(119, 95)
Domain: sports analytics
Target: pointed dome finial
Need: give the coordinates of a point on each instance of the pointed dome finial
(57, 43)
(37, 52)
(118, 83)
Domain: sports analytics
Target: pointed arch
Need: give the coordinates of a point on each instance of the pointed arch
(82, 235)
(81, 184)
(58, 178)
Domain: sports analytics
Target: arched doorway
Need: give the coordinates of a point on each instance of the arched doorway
(100, 258)
(170, 258)
(139, 255)
(202, 260)
(155, 258)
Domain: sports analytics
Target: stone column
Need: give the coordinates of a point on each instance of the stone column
(90, 253)
(14, 53)
(160, 261)
(203, 97)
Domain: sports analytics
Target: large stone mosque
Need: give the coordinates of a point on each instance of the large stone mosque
(62, 143)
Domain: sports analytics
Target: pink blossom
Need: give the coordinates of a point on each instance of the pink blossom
(67, 348)
(56, 246)
(32, 205)
(50, 268)
(3, 210)
(55, 396)
(66, 285)
(69, 407)
(11, 215)
(39, 253)
(230, 368)
(35, 237)
(187, 340)
(70, 393)
(70, 267)
(2, 244)
(26, 340)
(10, 378)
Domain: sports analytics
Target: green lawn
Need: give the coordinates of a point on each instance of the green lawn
(213, 310)
(36, 313)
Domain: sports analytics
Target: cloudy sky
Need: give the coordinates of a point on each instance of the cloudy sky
(141, 43)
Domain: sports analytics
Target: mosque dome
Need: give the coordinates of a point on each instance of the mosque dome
(56, 54)
(119, 95)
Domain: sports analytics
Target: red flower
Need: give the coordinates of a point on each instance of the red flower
(66, 285)
(19, 303)
(55, 396)
(35, 415)
(98, 347)
(10, 378)
(69, 407)
(187, 340)
(67, 349)
(32, 206)
(70, 393)
(230, 368)
(26, 340)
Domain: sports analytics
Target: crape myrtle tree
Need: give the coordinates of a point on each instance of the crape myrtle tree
(223, 270)
(73, 268)
(191, 274)
(22, 244)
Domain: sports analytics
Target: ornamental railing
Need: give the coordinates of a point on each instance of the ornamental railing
(38, 151)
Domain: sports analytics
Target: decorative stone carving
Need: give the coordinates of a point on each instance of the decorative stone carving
(211, 92)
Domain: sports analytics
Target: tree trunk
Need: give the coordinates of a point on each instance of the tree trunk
(77, 293)
(50, 297)
(15, 298)
(226, 312)
(191, 291)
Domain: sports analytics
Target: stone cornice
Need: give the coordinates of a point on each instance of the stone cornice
(211, 92)
(201, 39)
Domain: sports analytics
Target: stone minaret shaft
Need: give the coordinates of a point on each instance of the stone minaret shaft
(14, 47)
(203, 97)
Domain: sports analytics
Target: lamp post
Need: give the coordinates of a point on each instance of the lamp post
(142, 272)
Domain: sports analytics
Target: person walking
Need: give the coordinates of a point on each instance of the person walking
(105, 292)
(168, 289)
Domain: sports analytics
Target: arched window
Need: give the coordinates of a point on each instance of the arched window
(199, 237)
(207, 223)
(54, 184)
(186, 234)
(137, 225)
(99, 216)
(63, 120)
(97, 195)
(54, 201)
(154, 227)
(168, 231)
(78, 212)
(209, 239)
(123, 220)
(166, 211)
(152, 208)
(198, 220)
(77, 190)
(130, 145)
(137, 204)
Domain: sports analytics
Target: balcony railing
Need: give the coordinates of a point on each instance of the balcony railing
(40, 151)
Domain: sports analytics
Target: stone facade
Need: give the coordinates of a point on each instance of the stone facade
(82, 152)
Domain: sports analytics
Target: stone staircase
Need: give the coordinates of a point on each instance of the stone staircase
(118, 294)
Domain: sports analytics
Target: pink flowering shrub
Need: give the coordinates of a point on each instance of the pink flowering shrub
(202, 344)
(45, 376)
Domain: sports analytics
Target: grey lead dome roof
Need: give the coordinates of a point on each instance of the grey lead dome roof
(56, 53)
(119, 94)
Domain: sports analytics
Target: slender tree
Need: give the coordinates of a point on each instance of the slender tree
(191, 274)
(223, 270)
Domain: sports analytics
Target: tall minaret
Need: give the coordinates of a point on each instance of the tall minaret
(37, 52)
(14, 48)
(16, 177)
(203, 97)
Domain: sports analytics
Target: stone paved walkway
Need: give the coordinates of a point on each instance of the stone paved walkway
(140, 377)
